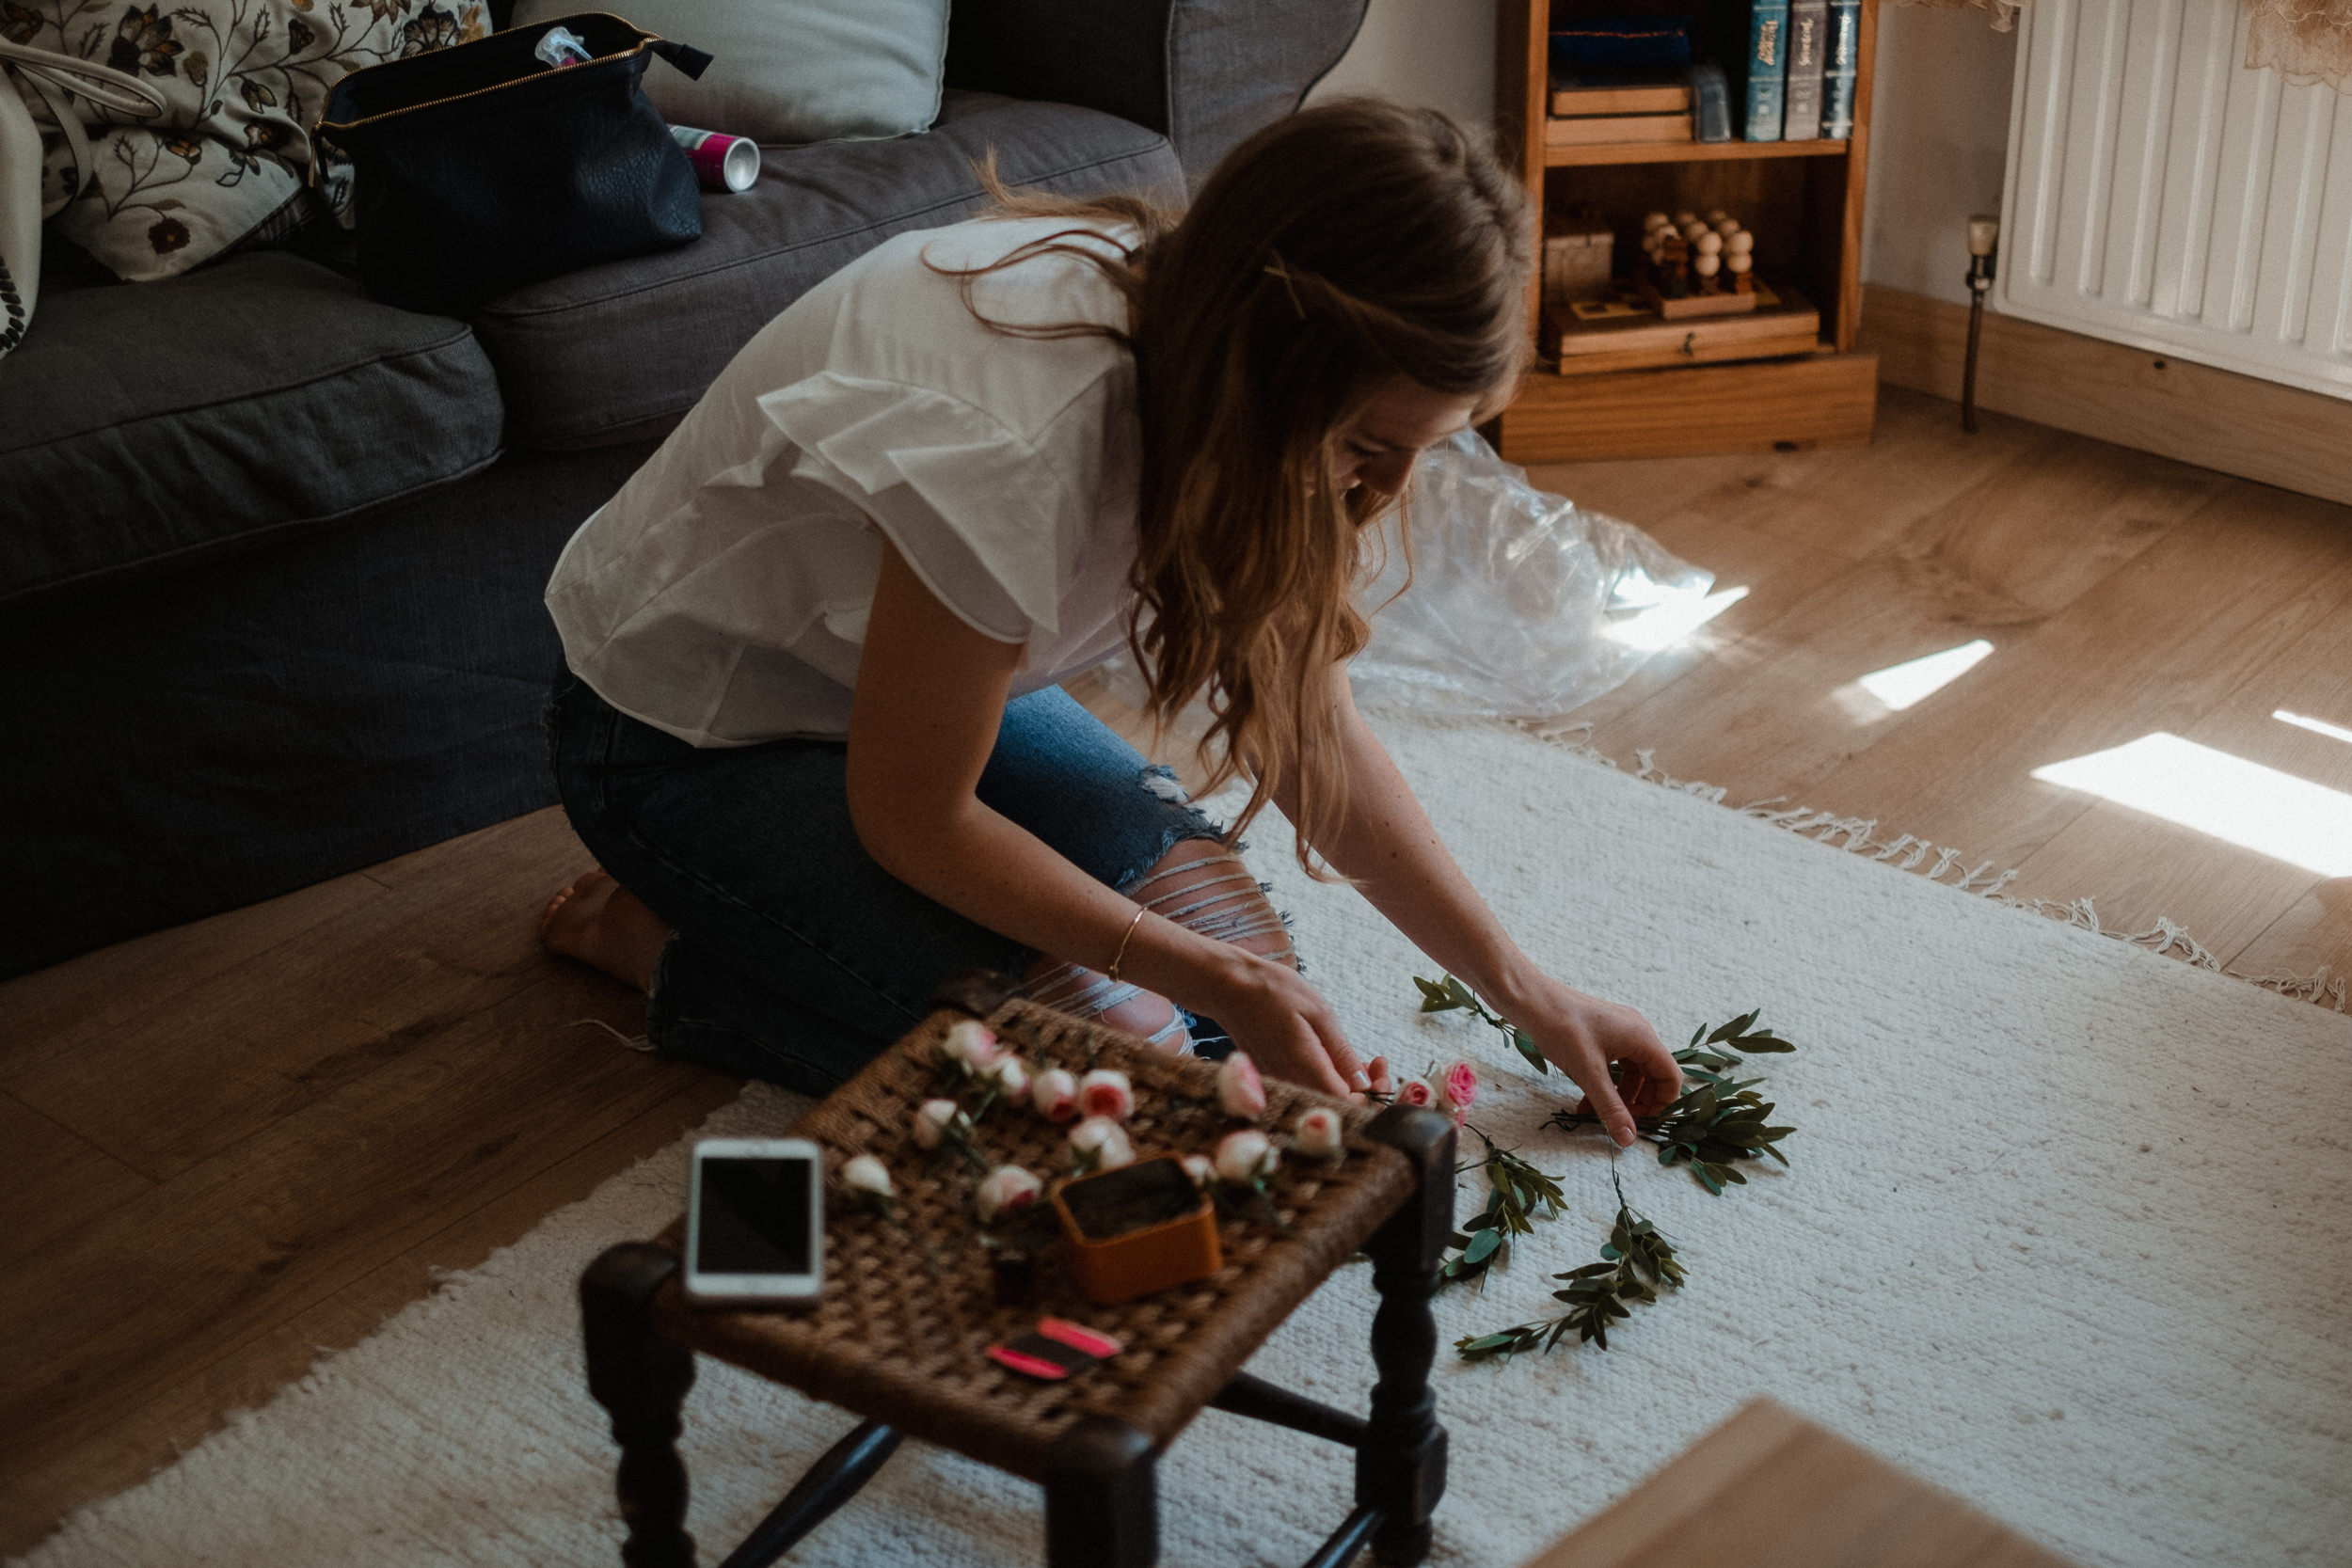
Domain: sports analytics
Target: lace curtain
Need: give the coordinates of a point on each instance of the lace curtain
(2307, 41)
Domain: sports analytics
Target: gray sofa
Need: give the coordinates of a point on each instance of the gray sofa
(271, 551)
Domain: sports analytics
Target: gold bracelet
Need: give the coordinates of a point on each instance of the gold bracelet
(1121, 958)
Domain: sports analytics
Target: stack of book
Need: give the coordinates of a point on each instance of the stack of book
(1668, 104)
(1798, 75)
(1627, 106)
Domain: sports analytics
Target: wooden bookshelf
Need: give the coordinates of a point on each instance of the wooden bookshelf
(1803, 199)
(1687, 153)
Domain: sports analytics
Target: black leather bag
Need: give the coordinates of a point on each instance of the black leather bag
(480, 167)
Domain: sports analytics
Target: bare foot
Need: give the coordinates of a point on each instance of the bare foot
(602, 923)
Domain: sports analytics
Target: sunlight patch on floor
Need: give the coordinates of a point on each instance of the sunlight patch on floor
(1662, 625)
(1898, 687)
(2219, 795)
(2317, 726)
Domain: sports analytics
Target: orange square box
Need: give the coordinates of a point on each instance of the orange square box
(1134, 1263)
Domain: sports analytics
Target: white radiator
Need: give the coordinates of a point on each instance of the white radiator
(2162, 195)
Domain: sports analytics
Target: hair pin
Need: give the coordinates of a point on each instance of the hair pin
(1277, 269)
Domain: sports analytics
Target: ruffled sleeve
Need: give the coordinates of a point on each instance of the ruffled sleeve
(990, 522)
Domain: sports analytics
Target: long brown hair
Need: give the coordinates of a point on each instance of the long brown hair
(1331, 253)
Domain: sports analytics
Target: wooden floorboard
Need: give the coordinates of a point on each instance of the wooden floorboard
(232, 1142)
(2158, 645)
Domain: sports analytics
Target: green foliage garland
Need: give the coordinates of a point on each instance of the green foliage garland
(1717, 1120)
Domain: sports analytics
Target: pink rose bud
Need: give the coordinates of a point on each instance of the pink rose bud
(932, 1119)
(1004, 1190)
(1099, 1143)
(1106, 1092)
(1317, 1133)
(1240, 1092)
(866, 1174)
(1246, 1157)
(1053, 1095)
(1456, 1088)
(1199, 1167)
(1415, 1091)
(971, 1043)
(1010, 1076)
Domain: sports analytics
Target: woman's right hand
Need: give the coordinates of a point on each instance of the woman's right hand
(1282, 1021)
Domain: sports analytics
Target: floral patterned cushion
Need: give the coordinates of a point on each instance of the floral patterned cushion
(225, 164)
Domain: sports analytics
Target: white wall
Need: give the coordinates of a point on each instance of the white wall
(1939, 123)
(1939, 135)
(1440, 52)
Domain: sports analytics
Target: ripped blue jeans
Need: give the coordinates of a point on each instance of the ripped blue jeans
(797, 958)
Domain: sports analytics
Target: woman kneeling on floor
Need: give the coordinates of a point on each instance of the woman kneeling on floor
(812, 721)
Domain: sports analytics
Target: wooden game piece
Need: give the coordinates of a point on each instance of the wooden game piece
(1710, 244)
(1741, 267)
(1716, 214)
(1685, 218)
(1691, 231)
(1727, 226)
(1674, 266)
(1708, 267)
(1740, 243)
(1654, 220)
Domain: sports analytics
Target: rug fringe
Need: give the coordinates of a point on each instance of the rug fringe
(1859, 835)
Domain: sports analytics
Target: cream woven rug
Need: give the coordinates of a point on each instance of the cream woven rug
(2067, 1231)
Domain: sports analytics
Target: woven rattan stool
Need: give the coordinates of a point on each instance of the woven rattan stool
(901, 1348)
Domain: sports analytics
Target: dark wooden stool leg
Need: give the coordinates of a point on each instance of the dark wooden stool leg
(1101, 1498)
(640, 1379)
(1399, 1463)
(832, 1481)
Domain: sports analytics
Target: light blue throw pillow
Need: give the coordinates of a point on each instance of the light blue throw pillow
(792, 71)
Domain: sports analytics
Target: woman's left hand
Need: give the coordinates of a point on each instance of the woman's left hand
(1581, 1035)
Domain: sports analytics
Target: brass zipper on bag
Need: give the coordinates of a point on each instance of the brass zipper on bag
(645, 39)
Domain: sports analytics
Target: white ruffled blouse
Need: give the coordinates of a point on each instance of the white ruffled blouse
(721, 596)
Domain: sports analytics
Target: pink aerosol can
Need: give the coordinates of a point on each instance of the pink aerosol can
(722, 163)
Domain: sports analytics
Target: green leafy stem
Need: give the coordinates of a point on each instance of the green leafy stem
(1517, 1195)
(1636, 1264)
(1717, 1118)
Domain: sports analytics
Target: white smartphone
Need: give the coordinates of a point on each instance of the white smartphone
(755, 1221)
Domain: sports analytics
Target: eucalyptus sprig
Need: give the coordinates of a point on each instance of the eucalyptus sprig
(1717, 1118)
(1517, 1195)
(1450, 995)
(1637, 1263)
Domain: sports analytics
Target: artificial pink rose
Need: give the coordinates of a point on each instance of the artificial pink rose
(867, 1177)
(1106, 1092)
(1099, 1143)
(932, 1120)
(1415, 1091)
(1053, 1095)
(1457, 1086)
(1246, 1157)
(1317, 1133)
(1240, 1092)
(1009, 1075)
(1004, 1190)
(1199, 1167)
(971, 1043)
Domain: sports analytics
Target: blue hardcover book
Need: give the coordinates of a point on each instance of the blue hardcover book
(1766, 70)
(1807, 40)
(1837, 70)
(1710, 102)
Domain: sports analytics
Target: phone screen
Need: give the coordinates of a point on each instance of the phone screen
(753, 1216)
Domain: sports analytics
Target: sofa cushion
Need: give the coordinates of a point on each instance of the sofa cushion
(617, 352)
(145, 426)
